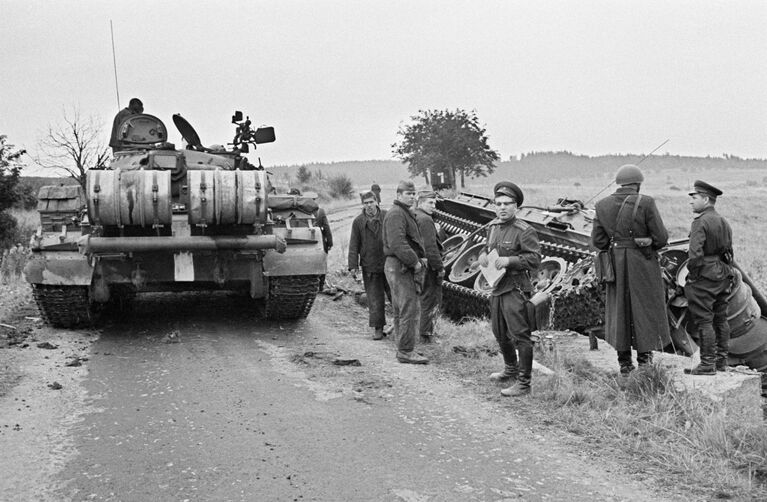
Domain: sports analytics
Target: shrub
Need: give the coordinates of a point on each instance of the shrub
(303, 174)
(340, 186)
(8, 230)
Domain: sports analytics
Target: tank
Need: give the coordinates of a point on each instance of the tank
(568, 295)
(167, 219)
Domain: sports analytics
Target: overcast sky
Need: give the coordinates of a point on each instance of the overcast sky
(338, 78)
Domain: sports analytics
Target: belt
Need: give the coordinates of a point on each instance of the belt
(625, 243)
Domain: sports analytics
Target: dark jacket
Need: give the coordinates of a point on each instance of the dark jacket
(710, 239)
(114, 141)
(366, 243)
(431, 241)
(401, 237)
(327, 236)
(635, 304)
(517, 239)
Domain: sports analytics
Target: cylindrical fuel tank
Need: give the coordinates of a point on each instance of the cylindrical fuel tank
(129, 198)
(218, 197)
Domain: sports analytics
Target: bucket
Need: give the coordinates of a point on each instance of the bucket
(461, 272)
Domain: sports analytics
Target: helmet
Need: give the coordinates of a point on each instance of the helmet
(628, 174)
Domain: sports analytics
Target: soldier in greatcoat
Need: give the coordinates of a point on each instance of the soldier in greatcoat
(709, 279)
(629, 225)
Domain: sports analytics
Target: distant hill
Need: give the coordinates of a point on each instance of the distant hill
(535, 167)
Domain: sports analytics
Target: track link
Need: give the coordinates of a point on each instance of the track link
(291, 297)
(64, 306)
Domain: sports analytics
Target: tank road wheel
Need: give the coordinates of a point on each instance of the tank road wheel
(291, 297)
(64, 306)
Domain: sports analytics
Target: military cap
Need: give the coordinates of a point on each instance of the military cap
(509, 189)
(704, 188)
(367, 194)
(406, 186)
(427, 194)
(628, 174)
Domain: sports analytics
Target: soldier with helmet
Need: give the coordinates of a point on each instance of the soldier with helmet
(629, 225)
(709, 279)
(519, 254)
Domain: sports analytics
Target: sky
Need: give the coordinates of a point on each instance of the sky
(338, 79)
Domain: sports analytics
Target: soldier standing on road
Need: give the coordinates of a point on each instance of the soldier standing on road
(366, 251)
(709, 279)
(377, 191)
(403, 247)
(516, 243)
(630, 226)
(135, 106)
(431, 292)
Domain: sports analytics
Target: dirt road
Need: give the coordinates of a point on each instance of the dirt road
(193, 397)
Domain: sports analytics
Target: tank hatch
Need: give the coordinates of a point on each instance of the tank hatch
(141, 129)
(187, 132)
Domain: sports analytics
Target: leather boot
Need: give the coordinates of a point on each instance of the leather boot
(378, 334)
(509, 373)
(721, 364)
(644, 358)
(625, 363)
(510, 365)
(522, 386)
(707, 364)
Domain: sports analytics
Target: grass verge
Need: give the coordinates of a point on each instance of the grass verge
(643, 421)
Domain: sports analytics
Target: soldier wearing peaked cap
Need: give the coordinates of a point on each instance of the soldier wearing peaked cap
(629, 226)
(709, 279)
(516, 243)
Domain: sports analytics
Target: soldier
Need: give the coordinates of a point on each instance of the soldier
(322, 221)
(403, 248)
(135, 106)
(5, 273)
(431, 291)
(629, 225)
(21, 260)
(366, 251)
(709, 279)
(516, 243)
(377, 191)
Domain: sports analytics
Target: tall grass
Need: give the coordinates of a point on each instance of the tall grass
(645, 419)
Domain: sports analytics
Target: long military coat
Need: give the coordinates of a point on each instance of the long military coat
(635, 304)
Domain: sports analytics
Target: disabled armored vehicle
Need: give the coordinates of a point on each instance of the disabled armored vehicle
(167, 219)
(568, 295)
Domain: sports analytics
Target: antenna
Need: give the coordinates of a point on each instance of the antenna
(114, 63)
(640, 161)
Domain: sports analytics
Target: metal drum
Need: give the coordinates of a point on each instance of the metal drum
(225, 197)
(129, 198)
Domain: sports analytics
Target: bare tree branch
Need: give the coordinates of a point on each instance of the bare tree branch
(73, 145)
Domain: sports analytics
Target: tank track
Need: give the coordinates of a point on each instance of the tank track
(579, 302)
(291, 297)
(64, 306)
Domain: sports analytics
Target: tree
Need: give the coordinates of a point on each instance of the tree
(303, 174)
(445, 142)
(10, 171)
(74, 146)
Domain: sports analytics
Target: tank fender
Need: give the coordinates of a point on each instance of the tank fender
(61, 268)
